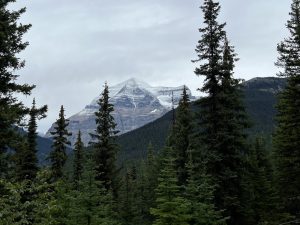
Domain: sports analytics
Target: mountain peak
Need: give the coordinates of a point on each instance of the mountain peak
(134, 82)
(136, 103)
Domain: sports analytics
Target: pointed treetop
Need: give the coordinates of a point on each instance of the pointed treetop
(229, 59)
(33, 103)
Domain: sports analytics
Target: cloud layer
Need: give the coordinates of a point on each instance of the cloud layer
(77, 45)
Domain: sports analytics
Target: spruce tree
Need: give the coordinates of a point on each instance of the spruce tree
(15, 207)
(91, 203)
(221, 115)
(58, 155)
(12, 111)
(78, 161)
(103, 141)
(287, 136)
(180, 136)
(151, 176)
(145, 187)
(261, 205)
(27, 162)
(130, 198)
(232, 140)
(171, 208)
(199, 192)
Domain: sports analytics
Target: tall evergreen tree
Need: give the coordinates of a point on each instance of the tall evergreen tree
(104, 144)
(78, 161)
(27, 162)
(180, 136)
(58, 155)
(222, 118)
(12, 111)
(171, 208)
(287, 136)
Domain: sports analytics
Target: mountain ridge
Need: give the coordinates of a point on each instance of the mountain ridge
(260, 101)
(136, 103)
(260, 98)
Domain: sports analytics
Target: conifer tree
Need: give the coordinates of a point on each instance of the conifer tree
(261, 205)
(151, 174)
(180, 136)
(199, 192)
(232, 140)
(91, 203)
(12, 111)
(12, 211)
(171, 208)
(222, 118)
(146, 184)
(287, 136)
(16, 208)
(44, 194)
(104, 143)
(58, 155)
(27, 162)
(129, 198)
(78, 161)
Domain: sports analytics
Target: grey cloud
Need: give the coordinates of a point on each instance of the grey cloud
(77, 45)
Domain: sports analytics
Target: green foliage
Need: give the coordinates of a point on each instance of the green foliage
(88, 203)
(260, 206)
(58, 155)
(91, 203)
(151, 172)
(134, 143)
(12, 111)
(287, 135)
(222, 118)
(25, 202)
(137, 194)
(180, 136)
(27, 161)
(130, 211)
(78, 161)
(207, 175)
(104, 144)
(259, 99)
(12, 211)
(171, 209)
(200, 194)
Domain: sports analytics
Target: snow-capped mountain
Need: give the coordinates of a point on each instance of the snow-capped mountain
(136, 103)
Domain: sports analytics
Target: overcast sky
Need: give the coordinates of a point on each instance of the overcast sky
(77, 45)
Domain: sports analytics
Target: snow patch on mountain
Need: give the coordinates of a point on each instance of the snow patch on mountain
(136, 103)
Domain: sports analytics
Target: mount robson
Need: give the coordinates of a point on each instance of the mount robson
(136, 103)
(143, 114)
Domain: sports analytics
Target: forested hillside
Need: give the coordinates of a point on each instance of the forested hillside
(260, 96)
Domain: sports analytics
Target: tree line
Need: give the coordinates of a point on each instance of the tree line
(211, 171)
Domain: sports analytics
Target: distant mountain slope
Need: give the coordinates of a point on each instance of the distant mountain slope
(44, 148)
(260, 101)
(135, 102)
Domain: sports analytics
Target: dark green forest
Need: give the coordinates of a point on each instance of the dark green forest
(231, 157)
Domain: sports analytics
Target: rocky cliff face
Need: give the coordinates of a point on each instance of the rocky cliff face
(136, 103)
